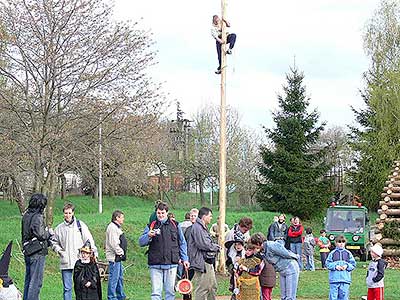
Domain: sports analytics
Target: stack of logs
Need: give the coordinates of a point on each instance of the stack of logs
(389, 213)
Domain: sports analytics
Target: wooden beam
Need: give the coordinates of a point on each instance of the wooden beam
(390, 203)
(390, 212)
(391, 252)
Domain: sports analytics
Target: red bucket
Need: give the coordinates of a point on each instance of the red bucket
(184, 286)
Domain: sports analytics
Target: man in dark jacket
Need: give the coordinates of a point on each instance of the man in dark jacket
(35, 240)
(167, 246)
(202, 252)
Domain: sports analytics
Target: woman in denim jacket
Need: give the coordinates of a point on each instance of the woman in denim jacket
(284, 262)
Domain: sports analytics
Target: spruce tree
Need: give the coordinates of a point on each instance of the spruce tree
(293, 169)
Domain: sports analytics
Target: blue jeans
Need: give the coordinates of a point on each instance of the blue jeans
(34, 268)
(230, 39)
(339, 291)
(67, 283)
(324, 256)
(162, 279)
(310, 263)
(115, 281)
(296, 248)
(289, 279)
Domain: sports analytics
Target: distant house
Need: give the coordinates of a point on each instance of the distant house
(164, 183)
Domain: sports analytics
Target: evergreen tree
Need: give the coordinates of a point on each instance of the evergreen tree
(293, 170)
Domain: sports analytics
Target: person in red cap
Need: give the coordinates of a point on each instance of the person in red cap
(87, 283)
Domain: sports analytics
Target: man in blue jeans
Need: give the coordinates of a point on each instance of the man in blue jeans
(35, 240)
(167, 246)
(116, 245)
(69, 237)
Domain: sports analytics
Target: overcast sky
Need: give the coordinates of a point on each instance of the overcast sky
(324, 37)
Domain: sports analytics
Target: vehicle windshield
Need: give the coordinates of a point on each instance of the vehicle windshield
(345, 221)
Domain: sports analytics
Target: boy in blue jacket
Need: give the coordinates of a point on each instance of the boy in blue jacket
(340, 263)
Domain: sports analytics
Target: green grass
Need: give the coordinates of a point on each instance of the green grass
(313, 285)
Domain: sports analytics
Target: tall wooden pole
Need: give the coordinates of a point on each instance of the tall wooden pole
(222, 150)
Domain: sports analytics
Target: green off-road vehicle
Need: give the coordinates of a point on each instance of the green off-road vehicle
(353, 223)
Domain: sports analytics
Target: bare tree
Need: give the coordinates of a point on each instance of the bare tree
(66, 63)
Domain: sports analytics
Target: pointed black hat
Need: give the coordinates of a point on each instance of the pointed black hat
(4, 265)
(87, 247)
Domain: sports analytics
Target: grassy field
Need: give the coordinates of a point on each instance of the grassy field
(313, 285)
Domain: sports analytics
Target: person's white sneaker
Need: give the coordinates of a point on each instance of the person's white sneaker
(229, 51)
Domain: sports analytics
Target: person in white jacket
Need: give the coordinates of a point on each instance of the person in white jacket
(69, 237)
(116, 246)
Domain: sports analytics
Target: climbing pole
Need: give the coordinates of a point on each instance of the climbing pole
(222, 150)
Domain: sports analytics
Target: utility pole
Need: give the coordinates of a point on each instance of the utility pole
(100, 174)
(222, 150)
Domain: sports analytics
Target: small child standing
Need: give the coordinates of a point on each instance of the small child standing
(267, 276)
(375, 274)
(87, 284)
(324, 244)
(249, 268)
(234, 254)
(340, 263)
(309, 244)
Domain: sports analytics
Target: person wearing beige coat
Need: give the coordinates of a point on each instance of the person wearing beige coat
(69, 237)
(116, 246)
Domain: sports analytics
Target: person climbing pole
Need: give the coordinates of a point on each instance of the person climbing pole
(216, 32)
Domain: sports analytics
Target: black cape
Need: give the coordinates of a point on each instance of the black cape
(82, 274)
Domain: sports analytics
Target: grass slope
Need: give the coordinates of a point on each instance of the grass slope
(313, 285)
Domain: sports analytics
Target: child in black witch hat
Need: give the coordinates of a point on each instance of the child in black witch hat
(87, 283)
(8, 290)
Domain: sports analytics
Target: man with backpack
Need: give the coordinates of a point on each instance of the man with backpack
(69, 237)
(35, 240)
(167, 247)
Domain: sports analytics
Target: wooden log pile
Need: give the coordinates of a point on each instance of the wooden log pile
(387, 229)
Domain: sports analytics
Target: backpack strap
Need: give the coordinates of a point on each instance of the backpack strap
(80, 228)
(173, 223)
(152, 224)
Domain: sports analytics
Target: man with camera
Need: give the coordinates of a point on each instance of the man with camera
(202, 253)
(35, 240)
(167, 247)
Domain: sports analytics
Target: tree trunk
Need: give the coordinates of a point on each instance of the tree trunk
(95, 191)
(50, 189)
(19, 198)
(111, 191)
(201, 190)
(63, 182)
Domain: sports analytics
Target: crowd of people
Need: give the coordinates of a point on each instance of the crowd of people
(187, 249)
